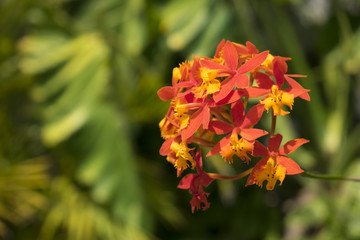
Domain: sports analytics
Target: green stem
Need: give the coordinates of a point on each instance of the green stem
(329, 177)
(221, 118)
(223, 177)
(202, 141)
(273, 123)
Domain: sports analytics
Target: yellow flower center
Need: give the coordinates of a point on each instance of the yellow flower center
(180, 114)
(178, 71)
(271, 173)
(182, 155)
(176, 74)
(209, 84)
(167, 129)
(220, 59)
(268, 62)
(277, 99)
(238, 147)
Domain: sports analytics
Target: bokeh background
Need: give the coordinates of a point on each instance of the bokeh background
(79, 119)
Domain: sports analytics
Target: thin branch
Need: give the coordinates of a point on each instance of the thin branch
(329, 177)
(273, 123)
(220, 117)
(202, 141)
(223, 177)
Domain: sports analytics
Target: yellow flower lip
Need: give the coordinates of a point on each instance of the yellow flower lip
(182, 153)
(209, 83)
(239, 147)
(271, 172)
(176, 74)
(181, 72)
(180, 114)
(277, 99)
(167, 129)
(268, 62)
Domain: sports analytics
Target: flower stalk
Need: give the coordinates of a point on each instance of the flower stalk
(202, 141)
(273, 123)
(329, 177)
(235, 177)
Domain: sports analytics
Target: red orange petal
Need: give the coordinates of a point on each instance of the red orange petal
(254, 92)
(253, 62)
(292, 145)
(237, 113)
(214, 66)
(167, 93)
(251, 48)
(279, 69)
(165, 147)
(253, 115)
(194, 124)
(295, 85)
(291, 166)
(185, 182)
(230, 55)
(252, 133)
(259, 150)
(241, 80)
(219, 127)
(219, 48)
(274, 143)
(233, 96)
(226, 87)
(263, 80)
(217, 148)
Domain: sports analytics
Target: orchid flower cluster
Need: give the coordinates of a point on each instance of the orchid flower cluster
(209, 96)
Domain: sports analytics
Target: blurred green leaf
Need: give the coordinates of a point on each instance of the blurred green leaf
(181, 30)
(82, 218)
(20, 198)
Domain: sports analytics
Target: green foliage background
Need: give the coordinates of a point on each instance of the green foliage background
(79, 119)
